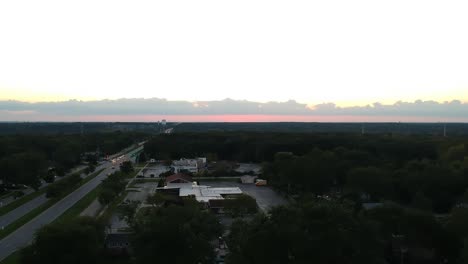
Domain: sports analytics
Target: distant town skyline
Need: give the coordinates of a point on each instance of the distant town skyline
(348, 53)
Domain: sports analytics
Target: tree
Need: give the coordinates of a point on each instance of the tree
(76, 242)
(142, 157)
(106, 196)
(464, 252)
(18, 194)
(161, 182)
(241, 205)
(126, 167)
(420, 229)
(457, 222)
(420, 201)
(156, 199)
(183, 233)
(127, 211)
(305, 233)
(90, 169)
(372, 181)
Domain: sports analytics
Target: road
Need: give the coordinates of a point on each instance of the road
(27, 191)
(20, 211)
(24, 235)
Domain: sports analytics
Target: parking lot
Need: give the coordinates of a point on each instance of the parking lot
(153, 170)
(248, 167)
(141, 191)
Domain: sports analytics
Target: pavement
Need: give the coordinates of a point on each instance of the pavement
(154, 169)
(248, 167)
(93, 209)
(27, 191)
(20, 211)
(24, 235)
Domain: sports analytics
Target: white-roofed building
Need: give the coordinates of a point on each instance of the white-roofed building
(202, 193)
(190, 165)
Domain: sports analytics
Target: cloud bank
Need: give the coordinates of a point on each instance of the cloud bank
(138, 109)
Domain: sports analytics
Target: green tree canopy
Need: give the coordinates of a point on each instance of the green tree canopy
(77, 242)
(175, 234)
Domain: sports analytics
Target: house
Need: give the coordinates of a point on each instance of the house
(118, 243)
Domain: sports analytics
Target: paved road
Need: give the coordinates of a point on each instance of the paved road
(20, 211)
(24, 235)
(27, 191)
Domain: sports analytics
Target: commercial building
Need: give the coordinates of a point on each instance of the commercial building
(189, 165)
(202, 193)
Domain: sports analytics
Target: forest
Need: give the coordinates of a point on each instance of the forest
(419, 182)
(26, 159)
(353, 198)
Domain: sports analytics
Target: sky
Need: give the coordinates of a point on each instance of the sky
(347, 53)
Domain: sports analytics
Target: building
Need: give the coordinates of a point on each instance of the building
(118, 243)
(248, 179)
(186, 188)
(189, 165)
(178, 178)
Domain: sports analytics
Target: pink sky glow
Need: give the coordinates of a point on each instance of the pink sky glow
(227, 118)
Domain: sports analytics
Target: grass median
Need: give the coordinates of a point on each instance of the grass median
(12, 259)
(17, 203)
(38, 210)
(78, 207)
(28, 197)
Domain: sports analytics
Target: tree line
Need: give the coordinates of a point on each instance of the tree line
(26, 159)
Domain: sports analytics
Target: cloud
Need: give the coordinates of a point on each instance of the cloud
(156, 106)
